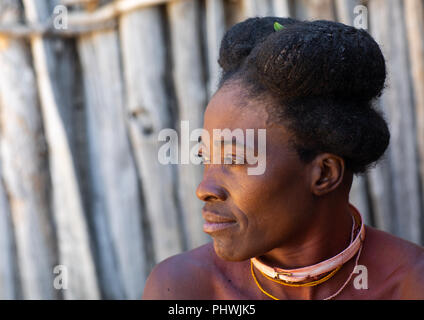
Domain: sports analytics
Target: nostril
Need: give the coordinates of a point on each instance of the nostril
(209, 198)
(206, 196)
(207, 192)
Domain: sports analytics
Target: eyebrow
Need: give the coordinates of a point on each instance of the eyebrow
(226, 142)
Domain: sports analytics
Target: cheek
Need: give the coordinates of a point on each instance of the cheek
(279, 185)
(271, 203)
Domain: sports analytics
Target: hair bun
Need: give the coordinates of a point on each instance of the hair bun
(320, 58)
(240, 40)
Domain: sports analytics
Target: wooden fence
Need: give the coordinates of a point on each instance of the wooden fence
(86, 209)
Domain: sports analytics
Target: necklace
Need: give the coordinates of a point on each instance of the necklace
(360, 236)
(308, 284)
(328, 298)
(316, 270)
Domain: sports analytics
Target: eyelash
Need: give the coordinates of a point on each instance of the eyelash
(233, 160)
(200, 155)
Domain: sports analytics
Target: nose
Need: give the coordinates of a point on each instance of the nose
(209, 190)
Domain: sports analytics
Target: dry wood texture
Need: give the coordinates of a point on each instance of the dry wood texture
(112, 163)
(25, 175)
(81, 111)
(397, 104)
(68, 212)
(414, 18)
(190, 91)
(144, 64)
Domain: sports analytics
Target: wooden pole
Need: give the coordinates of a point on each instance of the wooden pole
(78, 23)
(118, 208)
(24, 172)
(313, 9)
(397, 104)
(215, 30)
(8, 274)
(47, 30)
(144, 63)
(191, 93)
(380, 179)
(233, 12)
(414, 18)
(73, 238)
(110, 11)
(281, 8)
(256, 8)
(320, 9)
(345, 10)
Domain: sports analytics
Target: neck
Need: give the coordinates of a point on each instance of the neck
(327, 234)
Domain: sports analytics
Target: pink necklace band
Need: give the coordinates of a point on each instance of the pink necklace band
(305, 273)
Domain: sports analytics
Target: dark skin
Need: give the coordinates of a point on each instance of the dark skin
(294, 215)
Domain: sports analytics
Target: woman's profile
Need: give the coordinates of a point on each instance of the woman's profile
(291, 233)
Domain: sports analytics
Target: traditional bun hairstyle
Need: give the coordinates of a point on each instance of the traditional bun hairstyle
(320, 78)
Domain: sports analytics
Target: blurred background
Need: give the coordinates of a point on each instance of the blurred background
(86, 209)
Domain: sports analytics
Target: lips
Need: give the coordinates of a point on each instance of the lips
(213, 217)
(215, 222)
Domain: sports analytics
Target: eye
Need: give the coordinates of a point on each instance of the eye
(233, 160)
(200, 155)
(229, 160)
(204, 159)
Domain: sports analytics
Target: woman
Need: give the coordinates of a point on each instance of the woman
(290, 233)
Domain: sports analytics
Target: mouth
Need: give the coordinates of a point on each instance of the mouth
(215, 222)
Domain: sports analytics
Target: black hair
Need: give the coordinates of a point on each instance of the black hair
(321, 79)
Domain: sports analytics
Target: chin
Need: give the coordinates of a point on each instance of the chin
(228, 254)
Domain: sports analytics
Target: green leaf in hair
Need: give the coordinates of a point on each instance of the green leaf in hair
(278, 27)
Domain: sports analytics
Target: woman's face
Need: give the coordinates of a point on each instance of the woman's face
(249, 215)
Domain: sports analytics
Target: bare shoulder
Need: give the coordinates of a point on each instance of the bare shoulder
(390, 248)
(182, 276)
(399, 262)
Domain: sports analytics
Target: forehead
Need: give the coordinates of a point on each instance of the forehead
(227, 109)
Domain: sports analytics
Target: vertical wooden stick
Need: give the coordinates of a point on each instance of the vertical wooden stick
(8, 272)
(73, 237)
(396, 102)
(24, 172)
(111, 161)
(414, 18)
(191, 97)
(314, 9)
(281, 8)
(144, 63)
(345, 10)
(256, 8)
(215, 30)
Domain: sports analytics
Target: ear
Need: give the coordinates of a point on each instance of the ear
(327, 173)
